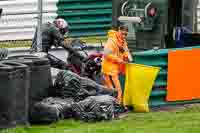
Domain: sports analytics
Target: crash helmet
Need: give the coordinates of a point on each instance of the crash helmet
(62, 25)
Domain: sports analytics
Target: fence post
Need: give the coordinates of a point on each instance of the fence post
(39, 25)
(1, 10)
(195, 16)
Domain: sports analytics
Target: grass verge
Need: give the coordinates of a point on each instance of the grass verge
(179, 121)
(27, 43)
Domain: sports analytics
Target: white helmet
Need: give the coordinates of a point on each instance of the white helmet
(62, 25)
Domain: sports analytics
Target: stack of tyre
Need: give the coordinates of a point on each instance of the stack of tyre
(24, 81)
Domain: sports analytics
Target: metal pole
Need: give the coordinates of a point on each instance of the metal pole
(115, 12)
(1, 10)
(39, 27)
(195, 16)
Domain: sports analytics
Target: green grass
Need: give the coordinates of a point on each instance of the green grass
(15, 44)
(94, 39)
(179, 121)
(27, 43)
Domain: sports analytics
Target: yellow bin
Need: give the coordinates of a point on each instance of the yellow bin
(138, 85)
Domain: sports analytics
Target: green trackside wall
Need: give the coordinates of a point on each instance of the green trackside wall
(86, 17)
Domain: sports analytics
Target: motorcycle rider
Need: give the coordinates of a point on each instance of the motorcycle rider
(53, 35)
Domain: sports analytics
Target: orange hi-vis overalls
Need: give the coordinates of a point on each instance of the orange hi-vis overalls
(111, 63)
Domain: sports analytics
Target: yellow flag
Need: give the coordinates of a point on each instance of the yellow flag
(138, 85)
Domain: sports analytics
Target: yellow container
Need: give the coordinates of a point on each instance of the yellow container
(138, 85)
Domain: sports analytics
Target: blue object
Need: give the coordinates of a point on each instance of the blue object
(179, 36)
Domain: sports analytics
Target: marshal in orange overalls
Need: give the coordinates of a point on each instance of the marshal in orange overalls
(115, 54)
